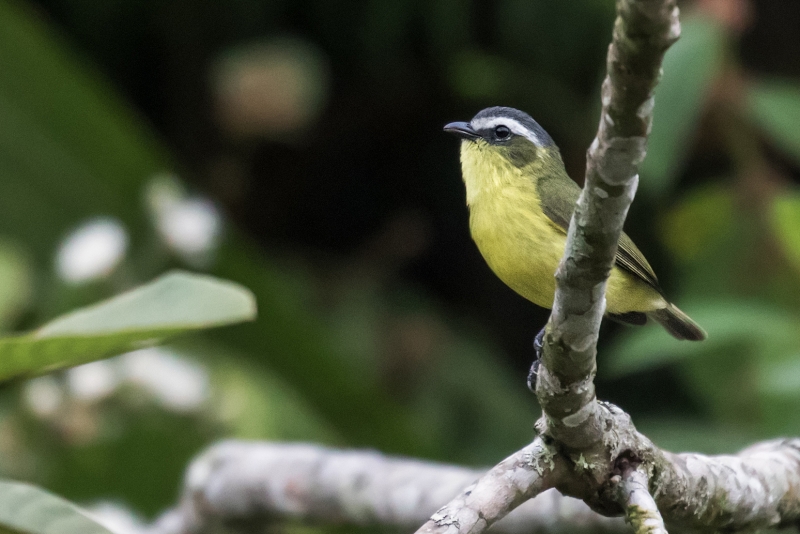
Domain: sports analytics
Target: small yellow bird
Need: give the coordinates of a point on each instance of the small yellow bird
(520, 202)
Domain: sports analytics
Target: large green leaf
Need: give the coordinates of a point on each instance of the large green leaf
(26, 509)
(690, 67)
(174, 303)
(775, 106)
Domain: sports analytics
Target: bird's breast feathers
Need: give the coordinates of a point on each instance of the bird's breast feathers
(521, 245)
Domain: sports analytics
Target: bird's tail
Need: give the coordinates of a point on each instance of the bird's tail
(678, 323)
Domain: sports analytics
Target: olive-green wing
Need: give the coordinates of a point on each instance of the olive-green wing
(559, 194)
(632, 260)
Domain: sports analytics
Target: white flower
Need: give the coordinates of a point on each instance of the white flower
(92, 382)
(43, 396)
(190, 227)
(178, 384)
(92, 251)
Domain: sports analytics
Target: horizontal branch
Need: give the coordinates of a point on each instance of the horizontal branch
(758, 488)
(250, 483)
(242, 483)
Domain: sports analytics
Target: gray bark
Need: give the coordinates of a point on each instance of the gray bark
(641, 510)
(516, 479)
(243, 483)
(252, 485)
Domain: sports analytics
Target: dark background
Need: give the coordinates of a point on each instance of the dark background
(315, 126)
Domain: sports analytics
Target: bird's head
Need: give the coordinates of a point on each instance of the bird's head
(507, 132)
(502, 145)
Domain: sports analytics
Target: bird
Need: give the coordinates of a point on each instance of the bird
(520, 201)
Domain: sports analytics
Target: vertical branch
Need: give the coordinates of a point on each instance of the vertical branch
(643, 31)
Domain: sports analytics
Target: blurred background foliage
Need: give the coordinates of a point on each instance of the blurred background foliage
(296, 148)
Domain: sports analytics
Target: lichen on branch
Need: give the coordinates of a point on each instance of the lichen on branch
(641, 511)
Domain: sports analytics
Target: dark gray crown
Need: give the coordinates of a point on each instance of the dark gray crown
(519, 116)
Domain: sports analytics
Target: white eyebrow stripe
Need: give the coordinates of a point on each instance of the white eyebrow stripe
(512, 124)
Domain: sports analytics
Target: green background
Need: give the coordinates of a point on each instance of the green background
(315, 128)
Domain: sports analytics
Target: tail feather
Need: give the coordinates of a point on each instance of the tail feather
(678, 323)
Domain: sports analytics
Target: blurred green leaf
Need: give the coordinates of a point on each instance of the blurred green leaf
(728, 323)
(783, 378)
(69, 148)
(725, 372)
(690, 67)
(15, 283)
(121, 449)
(713, 243)
(175, 301)
(786, 222)
(702, 218)
(172, 304)
(25, 509)
(778, 387)
(252, 401)
(775, 106)
(693, 435)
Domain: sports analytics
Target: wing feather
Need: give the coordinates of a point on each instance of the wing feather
(558, 195)
(632, 260)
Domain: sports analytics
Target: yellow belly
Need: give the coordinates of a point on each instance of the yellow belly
(524, 248)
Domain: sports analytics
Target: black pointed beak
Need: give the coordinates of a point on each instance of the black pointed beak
(461, 129)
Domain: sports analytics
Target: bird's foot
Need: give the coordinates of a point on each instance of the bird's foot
(538, 346)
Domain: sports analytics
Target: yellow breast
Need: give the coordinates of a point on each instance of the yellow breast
(520, 244)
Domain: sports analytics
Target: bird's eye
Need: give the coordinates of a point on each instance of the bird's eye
(502, 132)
